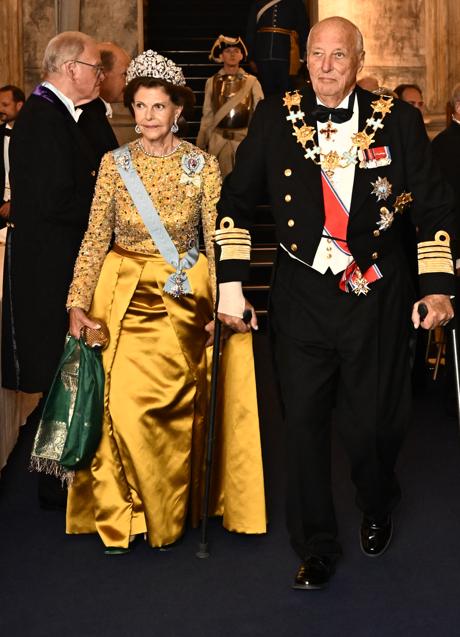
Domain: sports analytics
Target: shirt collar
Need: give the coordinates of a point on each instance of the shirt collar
(343, 103)
(75, 112)
(108, 108)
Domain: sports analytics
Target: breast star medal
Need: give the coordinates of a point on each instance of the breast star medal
(382, 188)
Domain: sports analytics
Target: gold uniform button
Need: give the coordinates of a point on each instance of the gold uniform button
(294, 247)
(287, 198)
(93, 173)
(384, 210)
(288, 172)
(291, 223)
(375, 256)
(376, 233)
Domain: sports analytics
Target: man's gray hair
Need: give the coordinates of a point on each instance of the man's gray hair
(455, 97)
(345, 23)
(65, 46)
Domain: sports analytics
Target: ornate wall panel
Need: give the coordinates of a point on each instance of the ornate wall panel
(11, 63)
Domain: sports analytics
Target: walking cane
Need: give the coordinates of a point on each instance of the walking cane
(203, 546)
(423, 311)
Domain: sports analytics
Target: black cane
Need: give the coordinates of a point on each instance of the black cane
(203, 547)
(423, 311)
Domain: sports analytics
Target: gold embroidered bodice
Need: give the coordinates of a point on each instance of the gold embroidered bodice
(182, 200)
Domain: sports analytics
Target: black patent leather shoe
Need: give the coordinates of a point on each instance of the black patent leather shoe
(375, 536)
(314, 573)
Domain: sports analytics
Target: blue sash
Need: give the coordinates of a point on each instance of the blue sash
(177, 284)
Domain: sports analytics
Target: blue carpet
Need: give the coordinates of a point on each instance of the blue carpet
(53, 585)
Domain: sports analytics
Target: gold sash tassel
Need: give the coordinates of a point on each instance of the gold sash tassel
(435, 256)
(235, 243)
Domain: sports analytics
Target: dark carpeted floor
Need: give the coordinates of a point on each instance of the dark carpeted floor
(53, 585)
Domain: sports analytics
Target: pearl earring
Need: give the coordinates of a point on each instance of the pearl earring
(137, 128)
(174, 127)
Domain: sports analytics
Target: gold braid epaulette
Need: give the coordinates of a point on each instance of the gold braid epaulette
(235, 243)
(435, 256)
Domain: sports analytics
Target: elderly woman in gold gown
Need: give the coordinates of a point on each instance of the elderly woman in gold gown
(148, 471)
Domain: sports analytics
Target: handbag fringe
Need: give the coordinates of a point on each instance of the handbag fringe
(52, 468)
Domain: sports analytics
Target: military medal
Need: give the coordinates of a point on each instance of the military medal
(329, 130)
(374, 157)
(386, 219)
(360, 142)
(360, 284)
(382, 188)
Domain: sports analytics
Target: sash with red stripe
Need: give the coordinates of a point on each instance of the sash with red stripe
(335, 226)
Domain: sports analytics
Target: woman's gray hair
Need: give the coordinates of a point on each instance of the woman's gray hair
(65, 46)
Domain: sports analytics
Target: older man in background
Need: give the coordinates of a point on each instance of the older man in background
(12, 99)
(52, 174)
(94, 121)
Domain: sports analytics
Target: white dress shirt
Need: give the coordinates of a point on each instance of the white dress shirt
(6, 164)
(73, 110)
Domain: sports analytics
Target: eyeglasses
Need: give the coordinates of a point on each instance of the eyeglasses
(98, 68)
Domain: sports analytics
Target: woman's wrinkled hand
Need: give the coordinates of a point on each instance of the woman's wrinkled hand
(78, 320)
(225, 332)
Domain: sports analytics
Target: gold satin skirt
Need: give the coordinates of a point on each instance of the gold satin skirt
(147, 474)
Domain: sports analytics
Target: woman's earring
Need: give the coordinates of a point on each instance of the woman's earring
(137, 128)
(174, 127)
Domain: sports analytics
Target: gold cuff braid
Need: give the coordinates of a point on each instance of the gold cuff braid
(435, 256)
(235, 243)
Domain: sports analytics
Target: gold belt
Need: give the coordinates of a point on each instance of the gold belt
(232, 133)
(294, 58)
(274, 30)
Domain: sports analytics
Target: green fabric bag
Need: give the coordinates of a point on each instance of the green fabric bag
(70, 427)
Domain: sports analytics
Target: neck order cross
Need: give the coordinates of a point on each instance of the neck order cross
(332, 160)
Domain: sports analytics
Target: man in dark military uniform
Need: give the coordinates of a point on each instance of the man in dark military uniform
(341, 166)
(276, 35)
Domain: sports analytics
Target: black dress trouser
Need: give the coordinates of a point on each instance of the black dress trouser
(331, 348)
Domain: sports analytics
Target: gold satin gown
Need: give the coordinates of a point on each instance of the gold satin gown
(148, 471)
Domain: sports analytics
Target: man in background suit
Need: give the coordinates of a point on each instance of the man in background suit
(341, 166)
(12, 99)
(53, 174)
(94, 121)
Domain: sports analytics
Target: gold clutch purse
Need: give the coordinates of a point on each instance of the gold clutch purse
(98, 337)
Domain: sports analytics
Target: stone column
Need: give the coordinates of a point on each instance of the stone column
(67, 15)
(11, 58)
(437, 54)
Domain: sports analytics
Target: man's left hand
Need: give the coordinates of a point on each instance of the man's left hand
(440, 311)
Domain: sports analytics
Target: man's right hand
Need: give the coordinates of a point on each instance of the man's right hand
(237, 324)
(78, 320)
(5, 210)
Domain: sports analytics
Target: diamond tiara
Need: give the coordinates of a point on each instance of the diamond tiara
(152, 64)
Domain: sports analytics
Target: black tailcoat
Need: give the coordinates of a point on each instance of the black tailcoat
(52, 174)
(333, 347)
(96, 126)
(446, 147)
(2, 169)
